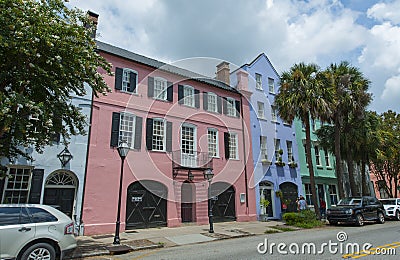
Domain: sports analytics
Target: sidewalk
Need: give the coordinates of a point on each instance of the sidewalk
(140, 239)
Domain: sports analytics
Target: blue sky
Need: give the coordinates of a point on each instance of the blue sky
(364, 32)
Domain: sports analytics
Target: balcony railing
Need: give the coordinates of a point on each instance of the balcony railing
(191, 161)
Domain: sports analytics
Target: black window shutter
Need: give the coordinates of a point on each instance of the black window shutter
(138, 133)
(197, 98)
(169, 137)
(170, 93)
(226, 144)
(149, 134)
(225, 106)
(132, 82)
(57, 122)
(36, 186)
(237, 105)
(118, 78)
(115, 129)
(2, 181)
(219, 104)
(180, 94)
(205, 100)
(150, 87)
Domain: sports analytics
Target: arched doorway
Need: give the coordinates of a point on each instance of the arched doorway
(187, 202)
(223, 202)
(289, 192)
(60, 191)
(146, 205)
(267, 193)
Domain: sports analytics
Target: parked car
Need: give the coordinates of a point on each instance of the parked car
(392, 207)
(31, 231)
(356, 210)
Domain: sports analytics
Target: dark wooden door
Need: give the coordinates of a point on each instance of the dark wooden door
(187, 202)
(223, 202)
(289, 192)
(60, 198)
(146, 205)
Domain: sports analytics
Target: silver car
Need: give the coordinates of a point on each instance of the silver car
(31, 231)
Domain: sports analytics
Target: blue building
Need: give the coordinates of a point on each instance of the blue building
(276, 166)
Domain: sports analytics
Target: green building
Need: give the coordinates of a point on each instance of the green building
(323, 163)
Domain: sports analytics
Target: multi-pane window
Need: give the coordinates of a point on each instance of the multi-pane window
(258, 81)
(333, 194)
(127, 128)
(126, 80)
(305, 152)
(158, 135)
(263, 148)
(271, 85)
(260, 110)
(273, 113)
(212, 102)
(160, 88)
(188, 139)
(212, 137)
(230, 105)
(289, 146)
(327, 160)
(188, 94)
(17, 186)
(317, 155)
(233, 146)
(313, 126)
(307, 187)
(277, 148)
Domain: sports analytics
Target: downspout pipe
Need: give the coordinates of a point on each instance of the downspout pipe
(244, 153)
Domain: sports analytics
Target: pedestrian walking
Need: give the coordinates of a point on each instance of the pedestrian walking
(301, 204)
(322, 207)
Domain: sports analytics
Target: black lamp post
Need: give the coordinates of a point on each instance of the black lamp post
(123, 150)
(208, 175)
(65, 156)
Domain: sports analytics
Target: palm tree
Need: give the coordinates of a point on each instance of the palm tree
(351, 97)
(302, 95)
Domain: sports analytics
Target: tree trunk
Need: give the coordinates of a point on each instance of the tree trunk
(350, 168)
(364, 187)
(311, 168)
(339, 170)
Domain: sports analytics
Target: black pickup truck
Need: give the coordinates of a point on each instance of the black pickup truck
(356, 210)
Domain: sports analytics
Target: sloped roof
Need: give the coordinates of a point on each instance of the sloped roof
(257, 58)
(105, 47)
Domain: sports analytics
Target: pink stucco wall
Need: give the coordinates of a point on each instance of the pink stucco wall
(102, 180)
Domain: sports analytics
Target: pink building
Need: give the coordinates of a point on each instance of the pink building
(178, 126)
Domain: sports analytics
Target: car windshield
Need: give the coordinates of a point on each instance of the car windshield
(388, 202)
(350, 201)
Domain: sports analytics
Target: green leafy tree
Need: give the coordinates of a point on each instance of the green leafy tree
(47, 52)
(302, 95)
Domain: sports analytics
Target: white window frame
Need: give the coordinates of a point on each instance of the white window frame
(274, 117)
(258, 81)
(20, 185)
(212, 140)
(307, 190)
(233, 146)
(271, 87)
(159, 135)
(333, 194)
(127, 128)
(212, 102)
(260, 110)
(327, 159)
(126, 80)
(189, 158)
(277, 143)
(317, 155)
(289, 146)
(263, 148)
(160, 88)
(188, 96)
(230, 106)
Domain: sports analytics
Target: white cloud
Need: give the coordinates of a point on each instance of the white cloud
(391, 93)
(386, 12)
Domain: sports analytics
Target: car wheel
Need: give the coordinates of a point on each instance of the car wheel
(397, 215)
(359, 220)
(333, 223)
(38, 251)
(381, 218)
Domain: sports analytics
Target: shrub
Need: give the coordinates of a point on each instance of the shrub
(303, 219)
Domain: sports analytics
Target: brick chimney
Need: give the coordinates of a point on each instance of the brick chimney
(93, 18)
(223, 72)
